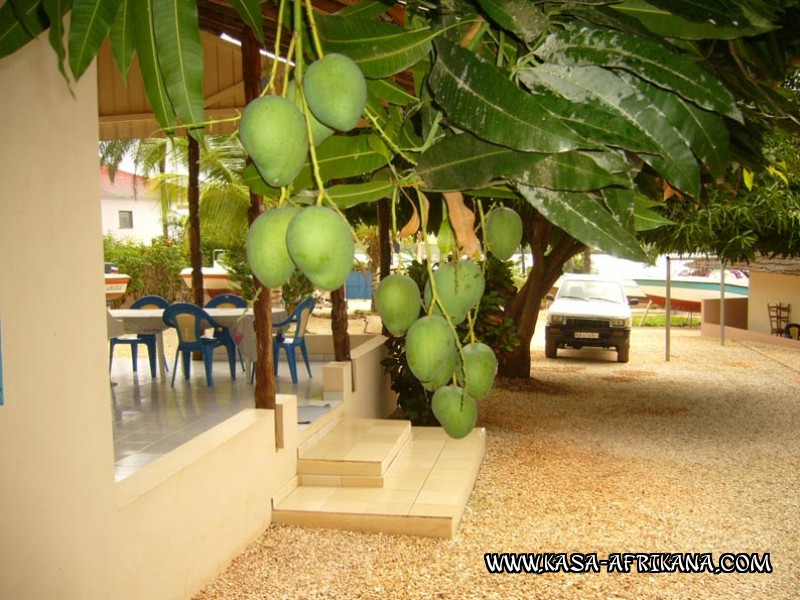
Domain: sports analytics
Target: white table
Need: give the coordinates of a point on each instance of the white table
(240, 321)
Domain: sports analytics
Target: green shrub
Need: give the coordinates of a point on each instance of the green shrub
(153, 269)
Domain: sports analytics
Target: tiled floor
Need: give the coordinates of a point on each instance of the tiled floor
(151, 417)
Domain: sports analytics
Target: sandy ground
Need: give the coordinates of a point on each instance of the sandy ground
(695, 455)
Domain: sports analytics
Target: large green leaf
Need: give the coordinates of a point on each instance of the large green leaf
(340, 157)
(123, 45)
(645, 218)
(390, 92)
(725, 14)
(665, 23)
(464, 162)
(702, 131)
(144, 34)
(584, 218)
(649, 60)
(522, 17)
(575, 102)
(56, 9)
(620, 203)
(20, 22)
(89, 25)
(603, 87)
(180, 58)
(351, 194)
(366, 9)
(380, 49)
(249, 12)
(478, 97)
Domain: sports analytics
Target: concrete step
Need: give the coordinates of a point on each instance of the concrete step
(425, 488)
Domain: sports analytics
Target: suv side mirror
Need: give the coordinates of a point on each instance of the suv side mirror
(633, 301)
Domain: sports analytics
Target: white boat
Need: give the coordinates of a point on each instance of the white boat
(116, 284)
(216, 280)
(688, 291)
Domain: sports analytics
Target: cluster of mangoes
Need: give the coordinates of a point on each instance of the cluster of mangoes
(315, 239)
(273, 128)
(433, 353)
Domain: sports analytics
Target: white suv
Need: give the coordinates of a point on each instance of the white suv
(589, 311)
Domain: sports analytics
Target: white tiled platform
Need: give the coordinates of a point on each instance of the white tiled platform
(384, 476)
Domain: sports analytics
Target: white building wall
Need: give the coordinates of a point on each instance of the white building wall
(146, 218)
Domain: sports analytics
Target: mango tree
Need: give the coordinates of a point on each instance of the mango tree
(579, 115)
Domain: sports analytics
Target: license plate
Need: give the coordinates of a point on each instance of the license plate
(587, 335)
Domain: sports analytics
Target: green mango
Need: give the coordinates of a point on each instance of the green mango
(273, 132)
(479, 367)
(455, 410)
(459, 287)
(319, 132)
(336, 91)
(398, 302)
(266, 246)
(321, 245)
(503, 233)
(431, 351)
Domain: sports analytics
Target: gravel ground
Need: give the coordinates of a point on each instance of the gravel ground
(698, 454)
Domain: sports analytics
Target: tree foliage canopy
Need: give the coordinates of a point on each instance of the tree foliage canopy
(566, 106)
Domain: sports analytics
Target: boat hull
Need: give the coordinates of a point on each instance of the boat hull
(687, 294)
(216, 281)
(116, 284)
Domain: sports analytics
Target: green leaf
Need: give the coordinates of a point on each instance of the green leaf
(576, 102)
(464, 161)
(123, 45)
(390, 92)
(648, 60)
(620, 203)
(352, 194)
(20, 22)
(478, 97)
(180, 58)
(702, 131)
(340, 157)
(367, 9)
(665, 23)
(380, 49)
(90, 22)
(144, 34)
(585, 219)
(725, 14)
(605, 89)
(646, 219)
(249, 12)
(521, 17)
(55, 10)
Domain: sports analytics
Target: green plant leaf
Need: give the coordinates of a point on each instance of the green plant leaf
(90, 22)
(249, 12)
(351, 194)
(725, 14)
(646, 219)
(123, 45)
(180, 58)
(606, 89)
(620, 203)
(340, 157)
(665, 23)
(585, 219)
(523, 18)
(702, 131)
(367, 9)
(390, 92)
(380, 49)
(478, 97)
(20, 22)
(144, 35)
(571, 93)
(647, 59)
(55, 10)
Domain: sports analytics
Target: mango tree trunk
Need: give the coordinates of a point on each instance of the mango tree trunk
(341, 339)
(551, 248)
(195, 251)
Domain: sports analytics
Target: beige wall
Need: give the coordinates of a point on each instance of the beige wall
(771, 288)
(57, 503)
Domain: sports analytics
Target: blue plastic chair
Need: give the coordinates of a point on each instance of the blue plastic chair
(228, 301)
(147, 339)
(290, 344)
(190, 322)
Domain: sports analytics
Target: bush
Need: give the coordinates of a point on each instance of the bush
(153, 269)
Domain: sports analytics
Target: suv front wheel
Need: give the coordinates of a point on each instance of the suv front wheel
(550, 348)
(623, 353)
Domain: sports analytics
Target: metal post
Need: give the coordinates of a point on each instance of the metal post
(722, 303)
(668, 305)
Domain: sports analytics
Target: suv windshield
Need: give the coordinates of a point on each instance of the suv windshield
(605, 291)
